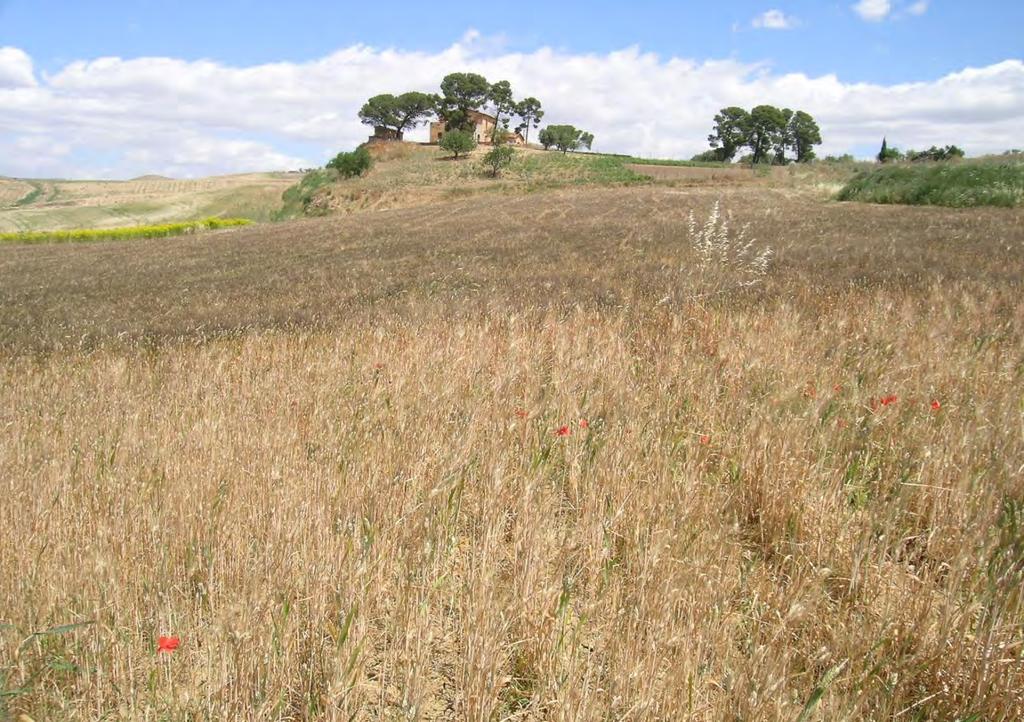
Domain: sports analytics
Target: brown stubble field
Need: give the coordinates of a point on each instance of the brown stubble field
(324, 454)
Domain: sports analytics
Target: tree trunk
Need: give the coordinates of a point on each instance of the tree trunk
(497, 120)
(758, 152)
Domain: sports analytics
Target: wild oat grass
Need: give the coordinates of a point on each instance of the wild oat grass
(369, 514)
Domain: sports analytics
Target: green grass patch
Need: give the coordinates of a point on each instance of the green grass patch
(560, 169)
(957, 184)
(667, 161)
(122, 234)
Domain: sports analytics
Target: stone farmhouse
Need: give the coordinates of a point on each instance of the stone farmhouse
(483, 129)
(384, 135)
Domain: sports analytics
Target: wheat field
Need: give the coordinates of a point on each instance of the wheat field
(519, 459)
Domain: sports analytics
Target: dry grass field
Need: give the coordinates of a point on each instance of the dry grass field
(58, 205)
(519, 458)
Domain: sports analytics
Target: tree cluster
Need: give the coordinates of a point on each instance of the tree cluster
(465, 92)
(565, 138)
(398, 113)
(767, 131)
(889, 154)
(460, 94)
(949, 153)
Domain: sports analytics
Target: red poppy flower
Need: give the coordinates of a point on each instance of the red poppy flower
(936, 405)
(584, 424)
(167, 644)
(563, 431)
(892, 399)
(522, 413)
(838, 388)
(705, 439)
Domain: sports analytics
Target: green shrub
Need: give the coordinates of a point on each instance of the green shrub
(498, 157)
(458, 142)
(351, 165)
(297, 198)
(959, 185)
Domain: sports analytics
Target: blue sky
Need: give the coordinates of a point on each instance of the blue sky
(829, 37)
(116, 88)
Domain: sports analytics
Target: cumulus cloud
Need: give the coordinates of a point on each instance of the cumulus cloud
(109, 117)
(15, 69)
(774, 20)
(873, 10)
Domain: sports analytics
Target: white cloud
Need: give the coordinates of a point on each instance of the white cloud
(879, 10)
(918, 8)
(15, 69)
(873, 10)
(774, 20)
(124, 118)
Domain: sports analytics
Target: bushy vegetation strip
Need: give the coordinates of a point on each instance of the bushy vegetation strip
(954, 184)
(122, 234)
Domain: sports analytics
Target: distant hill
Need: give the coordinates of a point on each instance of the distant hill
(47, 205)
